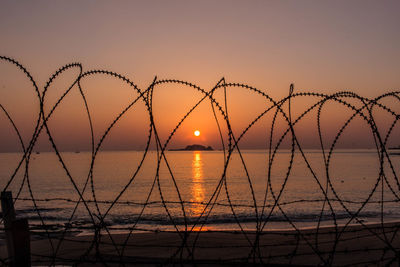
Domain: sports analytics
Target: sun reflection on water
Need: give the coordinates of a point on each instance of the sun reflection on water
(197, 184)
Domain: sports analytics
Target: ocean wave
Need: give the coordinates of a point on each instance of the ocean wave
(158, 219)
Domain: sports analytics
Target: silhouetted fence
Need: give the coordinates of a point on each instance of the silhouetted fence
(349, 239)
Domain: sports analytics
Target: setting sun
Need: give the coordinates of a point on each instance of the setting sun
(197, 133)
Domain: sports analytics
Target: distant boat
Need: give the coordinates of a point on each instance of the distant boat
(395, 150)
(37, 152)
(77, 152)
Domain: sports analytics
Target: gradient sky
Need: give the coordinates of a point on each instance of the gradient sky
(321, 46)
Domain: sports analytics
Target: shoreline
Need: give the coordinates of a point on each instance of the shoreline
(221, 227)
(355, 244)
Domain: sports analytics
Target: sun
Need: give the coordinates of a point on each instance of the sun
(196, 133)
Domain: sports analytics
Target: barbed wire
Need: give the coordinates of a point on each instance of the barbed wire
(189, 230)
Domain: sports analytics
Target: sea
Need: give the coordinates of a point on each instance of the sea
(202, 190)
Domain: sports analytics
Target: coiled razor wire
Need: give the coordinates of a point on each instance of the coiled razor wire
(185, 252)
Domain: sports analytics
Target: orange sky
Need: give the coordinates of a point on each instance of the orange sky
(320, 46)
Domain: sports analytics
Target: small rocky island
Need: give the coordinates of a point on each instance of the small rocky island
(194, 147)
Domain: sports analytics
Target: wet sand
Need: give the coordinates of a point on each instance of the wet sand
(353, 245)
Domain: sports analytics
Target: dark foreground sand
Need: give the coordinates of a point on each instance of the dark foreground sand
(356, 245)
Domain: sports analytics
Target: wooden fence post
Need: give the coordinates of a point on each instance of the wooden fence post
(17, 233)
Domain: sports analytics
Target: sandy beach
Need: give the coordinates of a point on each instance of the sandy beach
(354, 245)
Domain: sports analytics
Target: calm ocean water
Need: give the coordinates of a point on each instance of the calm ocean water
(354, 175)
